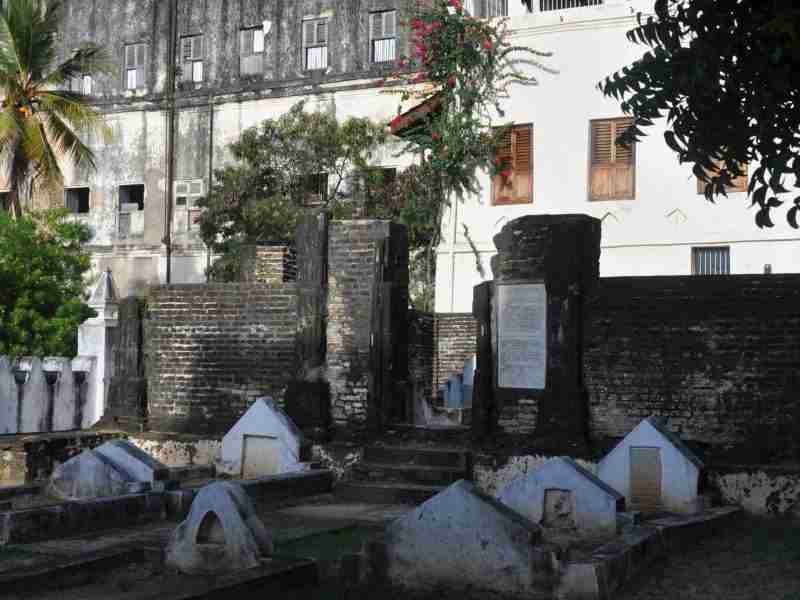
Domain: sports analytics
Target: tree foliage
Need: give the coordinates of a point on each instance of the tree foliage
(40, 122)
(42, 271)
(726, 75)
(262, 195)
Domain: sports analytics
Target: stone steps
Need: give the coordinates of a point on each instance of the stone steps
(385, 493)
(415, 474)
(404, 474)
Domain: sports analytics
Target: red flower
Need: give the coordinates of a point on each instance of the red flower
(506, 174)
(436, 136)
(451, 81)
(487, 43)
(456, 4)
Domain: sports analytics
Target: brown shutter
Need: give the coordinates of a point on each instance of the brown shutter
(377, 26)
(612, 169)
(308, 33)
(389, 25)
(515, 154)
(246, 42)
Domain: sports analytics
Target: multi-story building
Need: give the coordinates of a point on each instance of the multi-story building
(194, 73)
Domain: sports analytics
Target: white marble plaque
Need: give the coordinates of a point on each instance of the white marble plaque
(521, 336)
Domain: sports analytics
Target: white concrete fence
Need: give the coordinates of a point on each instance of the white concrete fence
(45, 395)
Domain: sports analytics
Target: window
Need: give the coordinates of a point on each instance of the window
(383, 36)
(612, 170)
(76, 200)
(315, 189)
(192, 59)
(487, 8)
(135, 59)
(82, 84)
(251, 51)
(545, 5)
(514, 183)
(711, 261)
(131, 198)
(187, 212)
(315, 44)
(739, 184)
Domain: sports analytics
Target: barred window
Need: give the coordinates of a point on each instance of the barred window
(135, 70)
(711, 260)
(383, 36)
(192, 59)
(315, 44)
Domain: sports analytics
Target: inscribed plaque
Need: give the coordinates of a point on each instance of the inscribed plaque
(521, 336)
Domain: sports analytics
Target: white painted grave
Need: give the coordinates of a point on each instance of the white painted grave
(265, 441)
(136, 463)
(560, 494)
(462, 538)
(221, 534)
(654, 470)
(88, 475)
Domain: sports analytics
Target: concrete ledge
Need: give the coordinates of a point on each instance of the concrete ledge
(70, 518)
(611, 565)
(288, 486)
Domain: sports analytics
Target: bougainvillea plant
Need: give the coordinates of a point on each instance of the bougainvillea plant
(459, 71)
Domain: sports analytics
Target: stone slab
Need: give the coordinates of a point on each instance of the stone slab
(137, 464)
(462, 538)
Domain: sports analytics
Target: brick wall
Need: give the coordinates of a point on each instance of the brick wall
(456, 336)
(268, 264)
(421, 343)
(353, 270)
(718, 356)
(211, 349)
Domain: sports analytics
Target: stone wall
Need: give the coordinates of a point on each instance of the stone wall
(421, 348)
(268, 264)
(718, 356)
(211, 349)
(456, 336)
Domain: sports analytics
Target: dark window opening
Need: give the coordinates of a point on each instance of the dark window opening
(76, 200)
(131, 198)
(315, 189)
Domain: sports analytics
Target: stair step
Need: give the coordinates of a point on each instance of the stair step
(417, 474)
(385, 493)
(416, 455)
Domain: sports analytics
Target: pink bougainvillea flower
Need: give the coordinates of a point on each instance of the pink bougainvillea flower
(456, 4)
(436, 136)
(506, 174)
(487, 43)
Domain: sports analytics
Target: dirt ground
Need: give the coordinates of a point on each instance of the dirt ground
(754, 559)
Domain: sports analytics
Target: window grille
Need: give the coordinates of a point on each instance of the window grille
(383, 35)
(192, 59)
(315, 44)
(545, 5)
(135, 70)
(487, 8)
(711, 260)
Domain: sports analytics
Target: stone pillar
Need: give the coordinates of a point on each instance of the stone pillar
(367, 326)
(9, 398)
(544, 269)
(35, 406)
(65, 398)
(96, 337)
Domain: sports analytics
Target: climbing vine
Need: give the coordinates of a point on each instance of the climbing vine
(459, 70)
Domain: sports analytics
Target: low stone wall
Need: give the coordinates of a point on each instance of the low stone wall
(180, 450)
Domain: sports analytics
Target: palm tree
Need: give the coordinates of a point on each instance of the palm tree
(40, 120)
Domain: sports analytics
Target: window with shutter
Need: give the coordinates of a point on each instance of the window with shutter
(514, 183)
(738, 184)
(487, 8)
(251, 51)
(76, 200)
(135, 61)
(315, 44)
(192, 59)
(186, 210)
(612, 168)
(383, 36)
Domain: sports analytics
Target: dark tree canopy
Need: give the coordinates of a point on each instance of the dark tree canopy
(726, 75)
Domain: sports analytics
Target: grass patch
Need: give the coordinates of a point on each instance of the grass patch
(326, 546)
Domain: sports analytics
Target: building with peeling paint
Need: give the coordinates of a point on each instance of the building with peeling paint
(193, 74)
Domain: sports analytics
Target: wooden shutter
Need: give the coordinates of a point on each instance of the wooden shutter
(322, 32)
(246, 42)
(141, 59)
(130, 57)
(186, 48)
(739, 184)
(612, 166)
(389, 23)
(377, 26)
(308, 33)
(515, 155)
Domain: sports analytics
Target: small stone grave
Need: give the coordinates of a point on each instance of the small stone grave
(654, 470)
(462, 538)
(264, 441)
(562, 496)
(222, 533)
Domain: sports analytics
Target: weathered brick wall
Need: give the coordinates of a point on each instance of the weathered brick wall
(421, 352)
(211, 349)
(456, 335)
(718, 356)
(268, 264)
(353, 270)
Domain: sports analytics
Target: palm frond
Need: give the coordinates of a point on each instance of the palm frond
(89, 59)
